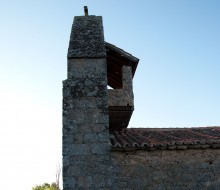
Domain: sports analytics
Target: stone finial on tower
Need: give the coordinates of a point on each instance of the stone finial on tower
(86, 12)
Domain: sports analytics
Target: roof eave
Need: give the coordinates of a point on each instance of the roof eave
(122, 52)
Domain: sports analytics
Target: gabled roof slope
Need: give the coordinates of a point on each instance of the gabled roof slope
(151, 139)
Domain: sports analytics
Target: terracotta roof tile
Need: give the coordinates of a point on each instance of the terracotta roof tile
(172, 138)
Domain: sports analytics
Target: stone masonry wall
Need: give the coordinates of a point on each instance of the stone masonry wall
(123, 97)
(87, 38)
(86, 149)
(167, 170)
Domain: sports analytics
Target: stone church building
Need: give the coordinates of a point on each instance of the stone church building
(99, 151)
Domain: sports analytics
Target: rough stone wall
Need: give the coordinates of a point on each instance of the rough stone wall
(86, 149)
(123, 97)
(167, 170)
(87, 38)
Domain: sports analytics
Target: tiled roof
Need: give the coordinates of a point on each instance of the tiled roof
(167, 138)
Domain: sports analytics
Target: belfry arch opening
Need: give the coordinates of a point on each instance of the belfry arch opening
(121, 67)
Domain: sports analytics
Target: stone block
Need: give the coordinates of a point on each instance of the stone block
(205, 176)
(98, 116)
(99, 181)
(69, 183)
(77, 159)
(96, 69)
(91, 138)
(82, 91)
(215, 185)
(100, 148)
(75, 149)
(85, 127)
(86, 103)
(85, 182)
(98, 128)
(196, 186)
(67, 138)
(70, 129)
(104, 137)
(78, 138)
(122, 184)
(73, 170)
(102, 119)
(66, 161)
(78, 116)
(76, 68)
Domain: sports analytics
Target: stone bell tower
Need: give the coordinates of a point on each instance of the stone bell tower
(86, 149)
(91, 112)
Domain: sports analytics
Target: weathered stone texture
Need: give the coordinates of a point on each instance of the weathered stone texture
(86, 149)
(123, 97)
(167, 170)
(87, 38)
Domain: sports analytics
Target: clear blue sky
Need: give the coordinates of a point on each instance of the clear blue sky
(177, 82)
